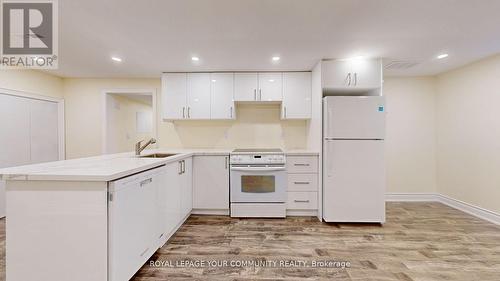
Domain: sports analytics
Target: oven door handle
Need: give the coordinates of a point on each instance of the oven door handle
(255, 169)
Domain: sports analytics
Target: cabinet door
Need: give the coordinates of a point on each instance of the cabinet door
(335, 74)
(222, 96)
(270, 86)
(169, 203)
(173, 97)
(367, 73)
(245, 86)
(187, 187)
(198, 96)
(211, 182)
(296, 95)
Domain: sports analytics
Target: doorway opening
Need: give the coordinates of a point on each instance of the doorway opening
(130, 116)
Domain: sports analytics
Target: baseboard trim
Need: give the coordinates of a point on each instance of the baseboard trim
(213, 212)
(470, 209)
(410, 197)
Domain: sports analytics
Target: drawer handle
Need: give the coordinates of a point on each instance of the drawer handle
(301, 182)
(301, 201)
(300, 164)
(145, 251)
(144, 182)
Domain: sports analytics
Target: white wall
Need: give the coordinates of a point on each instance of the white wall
(468, 139)
(410, 134)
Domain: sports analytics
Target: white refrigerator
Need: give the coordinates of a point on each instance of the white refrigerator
(353, 159)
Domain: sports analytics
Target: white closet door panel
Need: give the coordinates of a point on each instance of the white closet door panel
(14, 131)
(44, 131)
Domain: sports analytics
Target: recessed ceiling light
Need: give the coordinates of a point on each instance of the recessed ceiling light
(213, 80)
(442, 56)
(276, 58)
(117, 59)
(195, 58)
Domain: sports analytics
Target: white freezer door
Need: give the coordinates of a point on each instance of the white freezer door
(354, 181)
(356, 117)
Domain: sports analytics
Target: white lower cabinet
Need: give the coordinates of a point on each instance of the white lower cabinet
(302, 195)
(144, 211)
(133, 223)
(211, 184)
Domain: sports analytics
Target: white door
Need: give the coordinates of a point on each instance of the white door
(270, 86)
(187, 187)
(367, 73)
(211, 182)
(354, 181)
(296, 95)
(245, 86)
(15, 131)
(173, 97)
(44, 131)
(354, 117)
(222, 96)
(198, 96)
(336, 74)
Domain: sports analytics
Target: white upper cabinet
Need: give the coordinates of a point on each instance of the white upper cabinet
(222, 96)
(246, 86)
(174, 93)
(270, 86)
(367, 73)
(296, 95)
(352, 75)
(198, 96)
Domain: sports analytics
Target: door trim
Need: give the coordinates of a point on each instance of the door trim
(141, 92)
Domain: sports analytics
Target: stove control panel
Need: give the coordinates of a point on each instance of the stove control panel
(257, 159)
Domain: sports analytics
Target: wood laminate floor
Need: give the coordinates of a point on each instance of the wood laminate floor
(420, 241)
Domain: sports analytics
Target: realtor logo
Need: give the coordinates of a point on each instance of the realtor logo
(29, 34)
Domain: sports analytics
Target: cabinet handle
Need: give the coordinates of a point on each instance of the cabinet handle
(285, 111)
(231, 112)
(183, 112)
(355, 79)
(144, 182)
(189, 112)
(183, 165)
(260, 94)
(301, 201)
(254, 94)
(301, 164)
(301, 182)
(349, 78)
(180, 167)
(227, 160)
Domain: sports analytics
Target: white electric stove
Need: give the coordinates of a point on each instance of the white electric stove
(258, 183)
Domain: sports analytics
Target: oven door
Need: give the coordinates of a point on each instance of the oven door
(254, 184)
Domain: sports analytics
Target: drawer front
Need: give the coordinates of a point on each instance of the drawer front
(302, 164)
(303, 182)
(302, 200)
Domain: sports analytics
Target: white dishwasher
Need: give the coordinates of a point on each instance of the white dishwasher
(132, 223)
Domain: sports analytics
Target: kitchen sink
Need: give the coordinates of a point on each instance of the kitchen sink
(157, 155)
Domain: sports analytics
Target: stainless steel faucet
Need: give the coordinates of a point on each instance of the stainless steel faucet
(139, 148)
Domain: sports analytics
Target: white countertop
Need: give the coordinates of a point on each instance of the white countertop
(108, 167)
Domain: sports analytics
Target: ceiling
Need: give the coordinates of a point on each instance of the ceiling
(153, 36)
